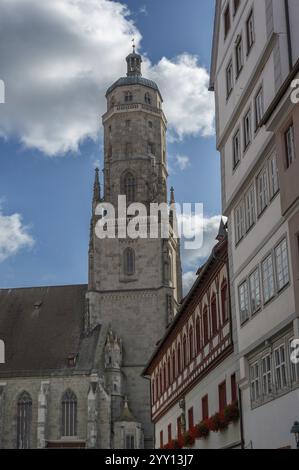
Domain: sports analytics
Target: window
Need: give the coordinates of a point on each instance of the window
(224, 302)
(161, 440)
(173, 366)
(250, 32)
(280, 367)
(205, 407)
(290, 145)
(112, 102)
(267, 375)
(255, 291)
(69, 414)
(130, 441)
(262, 191)
(169, 433)
(233, 383)
(222, 396)
(236, 5)
(185, 358)
(147, 98)
(239, 222)
(151, 148)
(24, 418)
(214, 315)
(197, 333)
(190, 418)
(168, 372)
(268, 279)
(229, 79)
(226, 21)
(282, 265)
(259, 107)
(179, 427)
(294, 367)
(179, 359)
(205, 326)
(273, 176)
(128, 123)
(239, 55)
(128, 97)
(191, 349)
(244, 302)
(150, 124)
(255, 382)
(247, 130)
(129, 262)
(129, 187)
(250, 208)
(237, 148)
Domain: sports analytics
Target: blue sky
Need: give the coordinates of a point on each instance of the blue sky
(45, 177)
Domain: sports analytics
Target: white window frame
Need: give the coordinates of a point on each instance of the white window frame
(255, 385)
(282, 265)
(294, 368)
(259, 107)
(255, 290)
(244, 305)
(229, 78)
(239, 222)
(239, 56)
(280, 367)
(262, 191)
(247, 126)
(250, 214)
(273, 175)
(250, 31)
(266, 369)
(268, 278)
(237, 148)
(290, 145)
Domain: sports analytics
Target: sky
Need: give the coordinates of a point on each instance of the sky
(57, 58)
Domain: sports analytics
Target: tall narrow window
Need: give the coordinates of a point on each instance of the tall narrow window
(169, 434)
(129, 262)
(185, 353)
(267, 375)
(24, 418)
(255, 291)
(229, 78)
(280, 368)
(268, 279)
(168, 372)
(262, 190)
(250, 32)
(179, 427)
(290, 145)
(226, 21)
(273, 175)
(239, 55)
(197, 334)
(214, 315)
(191, 349)
(190, 418)
(161, 440)
(250, 208)
(244, 302)
(128, 97)
(236, 148)
(282, 265)
(239, 222)
(255, 382)
(205, 407)
(69, 414)
(147, 98)
(129, 187)
(234, 390)
(173, 366)
(206, 326)
(259, 107)
(130, 441)
(247, 129)
(179, 359)
(224, 302)
(222, 396)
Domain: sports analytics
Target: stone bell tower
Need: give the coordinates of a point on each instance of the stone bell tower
(134, 284)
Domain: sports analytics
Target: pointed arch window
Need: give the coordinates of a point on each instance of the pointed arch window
(24, 418)
(185, 354)
(214, 315)
(205, 326)
(191, 349)
(147, 98)
(129, 262)
(224, 302)
(197, 334)
(173, 366)
(69, 414)
(179, 359)
(129, 187)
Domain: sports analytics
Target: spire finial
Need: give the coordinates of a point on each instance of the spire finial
(96, 188)
(172, 199)
(133, 45)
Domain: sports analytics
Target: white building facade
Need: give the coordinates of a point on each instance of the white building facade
(255, 48)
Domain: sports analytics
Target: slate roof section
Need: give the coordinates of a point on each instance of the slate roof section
(133, 80)
(42, 327)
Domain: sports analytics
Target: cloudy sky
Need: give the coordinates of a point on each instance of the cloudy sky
(57, 58)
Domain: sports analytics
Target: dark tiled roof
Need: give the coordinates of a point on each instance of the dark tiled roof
(42, 327)
(133, 80)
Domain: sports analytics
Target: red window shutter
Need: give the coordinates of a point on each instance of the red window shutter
(222, 396)
(179, 426)
(161, 439)
(169, 434)
(190, 418)
(205, 407)
(234, 388)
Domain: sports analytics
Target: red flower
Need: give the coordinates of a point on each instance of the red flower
(231, 412)
(203, 429)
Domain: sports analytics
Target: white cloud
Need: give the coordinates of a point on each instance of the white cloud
(59, 57)
(182, 161)
(188, 280)
(14, 236)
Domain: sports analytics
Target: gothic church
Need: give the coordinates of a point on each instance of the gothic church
(75, 354)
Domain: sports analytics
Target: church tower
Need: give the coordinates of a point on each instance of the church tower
(135, 285)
